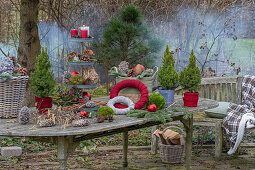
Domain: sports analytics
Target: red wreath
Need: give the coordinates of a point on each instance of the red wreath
(131, 83)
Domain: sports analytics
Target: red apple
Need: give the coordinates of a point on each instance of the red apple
(152, 108)
(83, 114)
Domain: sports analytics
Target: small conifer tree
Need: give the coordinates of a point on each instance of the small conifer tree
(42, 79)
(190, 77)
(167, 75)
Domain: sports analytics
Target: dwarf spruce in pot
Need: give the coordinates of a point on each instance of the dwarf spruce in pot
(190, 79)
(168, 77)
(43, 82)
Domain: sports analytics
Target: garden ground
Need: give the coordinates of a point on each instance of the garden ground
(139, 158)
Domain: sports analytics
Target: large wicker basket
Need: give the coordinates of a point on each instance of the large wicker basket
(11, 96)
(171, 154)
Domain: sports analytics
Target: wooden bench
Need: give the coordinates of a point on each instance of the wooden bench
(226, 89)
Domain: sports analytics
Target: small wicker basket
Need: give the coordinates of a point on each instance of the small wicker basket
(11, 96)
(171, 153)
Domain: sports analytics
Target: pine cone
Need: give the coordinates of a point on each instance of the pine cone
(90, 53)
(76, 36)
(81, 123)
(123, 67)
(90, 104)
(110, 118)
(24, 115)
(131, 73)
(47, 123)
(6, 66)
(100, 119)
(21, 70)
(72, 55)
(85, 58)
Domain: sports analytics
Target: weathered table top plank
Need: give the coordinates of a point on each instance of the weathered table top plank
(121, 121)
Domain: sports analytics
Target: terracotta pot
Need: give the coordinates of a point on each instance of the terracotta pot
(43, 104)
(190, 99)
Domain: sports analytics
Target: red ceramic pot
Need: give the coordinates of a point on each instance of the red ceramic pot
(43, 104)
(190, 99)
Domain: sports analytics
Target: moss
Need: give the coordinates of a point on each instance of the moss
(157, 99)
(76, 80)
(105, 111)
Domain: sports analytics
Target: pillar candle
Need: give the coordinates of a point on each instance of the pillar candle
(74, 32)
(84, 33)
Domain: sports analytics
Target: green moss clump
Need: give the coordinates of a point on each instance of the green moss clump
(156, 99)
(190, 77)
(105, 111)
(167, 75)
(76, 80)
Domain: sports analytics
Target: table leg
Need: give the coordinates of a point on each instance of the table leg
(154, 140)
(65, 147)
(218, 140)
(125, 149)
(188, 125)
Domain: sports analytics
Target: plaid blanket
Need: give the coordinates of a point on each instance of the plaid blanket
(235, 112)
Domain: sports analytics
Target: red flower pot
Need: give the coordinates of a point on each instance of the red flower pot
(43, 104)
(190, 99)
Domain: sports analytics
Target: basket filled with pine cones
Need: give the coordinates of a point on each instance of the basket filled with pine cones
(146, 76)
(13, 80)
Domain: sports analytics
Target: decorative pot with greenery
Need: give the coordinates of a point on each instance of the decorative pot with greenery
(168, 77)
(43, 82)
(190, 79)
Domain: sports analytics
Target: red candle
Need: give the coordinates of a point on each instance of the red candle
(84, 33)
(74, 32)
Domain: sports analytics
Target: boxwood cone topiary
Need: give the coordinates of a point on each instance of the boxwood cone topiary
(105, 111)
(190, 77)
(42, 79)
(156, 99)
(167, 75)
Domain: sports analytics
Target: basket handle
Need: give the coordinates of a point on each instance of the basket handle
(175, 127)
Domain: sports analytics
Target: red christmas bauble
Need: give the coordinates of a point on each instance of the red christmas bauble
(75, 72)
(86, 94)
(152, 108)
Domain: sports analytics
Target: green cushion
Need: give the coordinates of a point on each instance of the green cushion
(218, 112)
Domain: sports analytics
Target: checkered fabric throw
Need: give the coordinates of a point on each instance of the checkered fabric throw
(235, 112)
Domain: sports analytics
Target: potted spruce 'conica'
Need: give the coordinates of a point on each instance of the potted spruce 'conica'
(43, 82)
(168, 77)
(190, 79)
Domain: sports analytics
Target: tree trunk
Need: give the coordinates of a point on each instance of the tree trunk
(29, 43)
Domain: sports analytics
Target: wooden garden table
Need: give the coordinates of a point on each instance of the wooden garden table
(68, 139)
